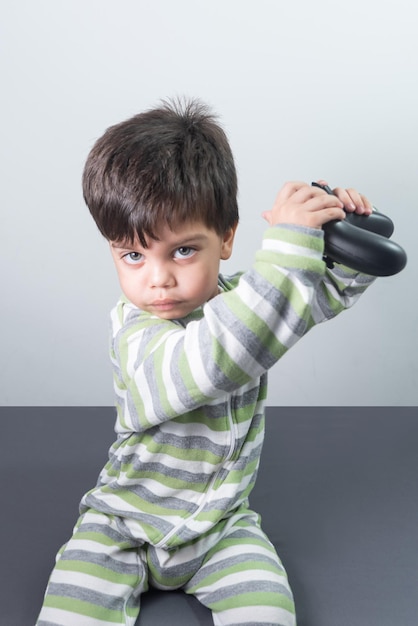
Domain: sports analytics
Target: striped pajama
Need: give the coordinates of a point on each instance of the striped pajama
(170, 506)
(233, 570)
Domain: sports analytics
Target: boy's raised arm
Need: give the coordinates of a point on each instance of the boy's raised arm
(167, 369)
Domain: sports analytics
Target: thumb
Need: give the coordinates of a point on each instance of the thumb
(267, 216)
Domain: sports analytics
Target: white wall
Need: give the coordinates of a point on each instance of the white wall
(304, 89)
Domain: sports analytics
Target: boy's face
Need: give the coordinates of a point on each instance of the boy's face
(176, 273)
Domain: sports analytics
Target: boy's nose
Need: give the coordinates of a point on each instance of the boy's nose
(161, 276)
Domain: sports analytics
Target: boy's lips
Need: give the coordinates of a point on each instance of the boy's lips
(164, 305)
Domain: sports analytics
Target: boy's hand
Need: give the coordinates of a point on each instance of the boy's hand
(305, 205)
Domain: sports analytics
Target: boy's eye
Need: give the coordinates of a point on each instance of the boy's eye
(133, 258)
(184, 252)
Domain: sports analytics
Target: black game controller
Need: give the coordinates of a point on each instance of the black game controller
(362, 243)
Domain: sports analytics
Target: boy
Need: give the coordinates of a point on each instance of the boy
(190, 351)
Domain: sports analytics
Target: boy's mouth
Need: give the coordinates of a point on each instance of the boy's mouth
(164, 305)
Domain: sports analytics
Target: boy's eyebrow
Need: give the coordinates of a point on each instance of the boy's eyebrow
(193, 238)
(120, 245)
(190, 239)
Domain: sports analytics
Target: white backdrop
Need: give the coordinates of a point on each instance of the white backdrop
(304, 90)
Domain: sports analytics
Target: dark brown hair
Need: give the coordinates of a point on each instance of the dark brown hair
(168, 165)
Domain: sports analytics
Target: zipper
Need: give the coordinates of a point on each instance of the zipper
(228, 456)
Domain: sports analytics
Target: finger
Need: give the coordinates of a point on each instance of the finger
(326, 202)
(356, 199)
(320, 202)
(322, 182)
(289, 189)
(320, 215)
(362, 204)
(317, 192)
(350, 198)
(368, 207)
(267, 216)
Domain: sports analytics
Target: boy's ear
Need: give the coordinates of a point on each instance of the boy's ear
(228, 242)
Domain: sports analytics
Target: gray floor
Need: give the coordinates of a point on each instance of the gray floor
(337, 491)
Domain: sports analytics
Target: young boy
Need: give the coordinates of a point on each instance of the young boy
(190, 352)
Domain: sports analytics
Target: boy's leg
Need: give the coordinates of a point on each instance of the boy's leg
(98, 577)
(242, 580)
